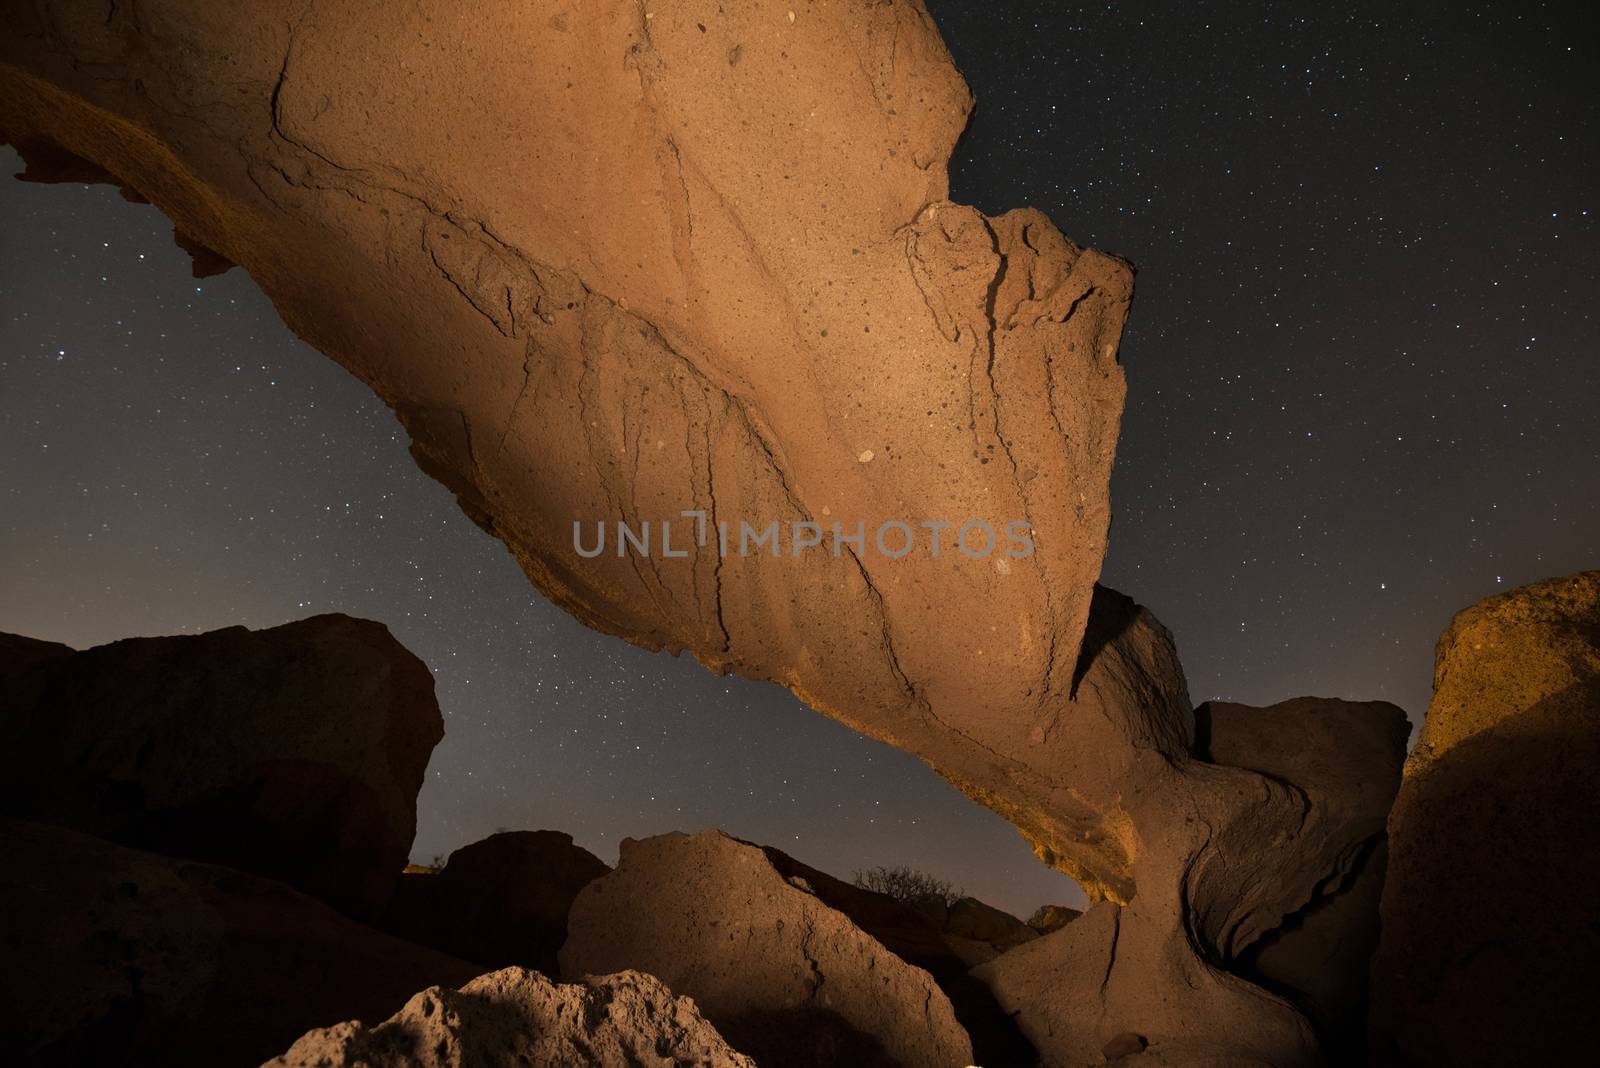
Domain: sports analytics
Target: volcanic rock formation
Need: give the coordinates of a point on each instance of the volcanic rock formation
(514, 1017)
(1050, 918)
(1309, 779)
(784, 977)
(1345, 758)
(497, 902)
(294, 752)
(915, 933)
(974, 923)
(610, 264)
(904, 931)
(613, 263)
(1490, 940)
(116, 956)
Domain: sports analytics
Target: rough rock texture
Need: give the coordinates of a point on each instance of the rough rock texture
(514, 1017)
(294, 752)
(915, 933)
(498, 902)
(1227, 854)
(115, 956)
(784, 977)
(609, 263)
(904, 931)
(1049, 918)
(1345, 758)
(1490, 940)
(1119, 970)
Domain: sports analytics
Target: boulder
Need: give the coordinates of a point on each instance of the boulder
(905, 930)
(26, 665)
(498, 902)
(515, 1017)
(116, 956)
(1344, 757)
(1047, 918)
(612, 266)
(1490, 942)
(972, 919)
(295, 752)
(914, 932)
(784, 977)
(1121, 970)
(1237, 821)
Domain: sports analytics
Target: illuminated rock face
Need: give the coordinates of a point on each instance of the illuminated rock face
(783, 976)
(1489, 939)
(611, 264)
(515, 1017)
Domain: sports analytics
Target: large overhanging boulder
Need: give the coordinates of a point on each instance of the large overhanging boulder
(610, 263)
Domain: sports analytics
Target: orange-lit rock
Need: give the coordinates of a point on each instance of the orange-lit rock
(515, 1017)
(610, 264)
(783, 976)
(1489, 941)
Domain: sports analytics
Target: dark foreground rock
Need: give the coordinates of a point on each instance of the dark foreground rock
(502, 901)
(1344, 757)
(1490, 938)
(115, 956)
(784, 977)
(294, 752)
(981, 932)
(515, 1018)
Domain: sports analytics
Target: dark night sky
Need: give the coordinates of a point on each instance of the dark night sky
(1364, 369)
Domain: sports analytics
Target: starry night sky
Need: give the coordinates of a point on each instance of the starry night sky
(1364, 370)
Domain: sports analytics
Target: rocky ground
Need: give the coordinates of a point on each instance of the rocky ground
(174, 891)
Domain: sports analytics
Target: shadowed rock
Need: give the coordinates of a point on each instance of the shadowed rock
(1048, 918)
(784, 977)
(295, 752)
(1228, 854)
(904, 931)
(498, 902)
(971, 919)
(514, 1017)
(915, 933)
(1344, 757)
(116, 956)
(1490, 940)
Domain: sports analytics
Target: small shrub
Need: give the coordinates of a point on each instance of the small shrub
(907, 885)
